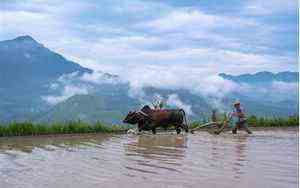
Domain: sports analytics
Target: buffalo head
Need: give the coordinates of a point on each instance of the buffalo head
(139, 118)
(132, 118)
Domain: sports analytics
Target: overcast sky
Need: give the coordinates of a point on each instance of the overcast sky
(233, 36)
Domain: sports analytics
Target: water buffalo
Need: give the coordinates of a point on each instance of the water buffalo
(149, 119)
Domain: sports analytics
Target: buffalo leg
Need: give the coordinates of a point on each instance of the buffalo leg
(140, 126)
(178, 130)
(154, 130)
(186, 128)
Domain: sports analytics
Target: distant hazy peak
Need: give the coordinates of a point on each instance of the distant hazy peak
(22, 41)
(24, 38)
(26, 56)
(263, 76)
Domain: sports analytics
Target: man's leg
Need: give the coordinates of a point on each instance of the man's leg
(235, 123)
(234, 130)
(245, 126)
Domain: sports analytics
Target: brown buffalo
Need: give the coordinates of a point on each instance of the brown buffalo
(149, 119)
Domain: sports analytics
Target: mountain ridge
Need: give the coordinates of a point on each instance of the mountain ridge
(263, 76)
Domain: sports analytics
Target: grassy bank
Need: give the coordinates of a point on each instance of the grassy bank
(254, 121)
(273, 122)
(29, 128)
(75, 127)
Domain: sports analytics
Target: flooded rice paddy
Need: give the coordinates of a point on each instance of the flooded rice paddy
(268, 158)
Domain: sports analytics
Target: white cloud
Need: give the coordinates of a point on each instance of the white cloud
(68, 78)
(72, 84)
(174, 100)
(264, 8)
(178, 35)
(185, 20)
(65, 87)
(170, 48)
(68, 91)
(197, 79)
(39, 25)
(281, 91)
(99, 77)
(215, 60)
(273, 92)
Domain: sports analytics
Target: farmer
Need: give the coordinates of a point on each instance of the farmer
(236, 119)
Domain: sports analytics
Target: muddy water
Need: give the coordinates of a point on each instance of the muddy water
(269, 158)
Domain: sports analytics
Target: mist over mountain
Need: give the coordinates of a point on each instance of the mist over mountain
(266, 93)
(40, 85)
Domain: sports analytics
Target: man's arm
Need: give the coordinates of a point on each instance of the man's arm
(240, 113)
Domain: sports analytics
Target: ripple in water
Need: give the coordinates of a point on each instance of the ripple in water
(269, 158)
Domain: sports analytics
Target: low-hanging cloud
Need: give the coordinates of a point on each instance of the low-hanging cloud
(198, 80)
(67, 92)
(203, 81)
(275, 91)
(76, 83)
(174, 100)
(99, 77)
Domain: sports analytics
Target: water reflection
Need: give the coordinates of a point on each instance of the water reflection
(240, 156)
(158, 147)
(162, 160)
(155, 154)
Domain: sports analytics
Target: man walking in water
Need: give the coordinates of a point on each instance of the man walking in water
(236, 119)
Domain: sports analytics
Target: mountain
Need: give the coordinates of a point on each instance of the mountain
(263, 77)
(26, 68)
(40, 85)
(266, 93)
(88, 108)
(109, 105)
(29, 62)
